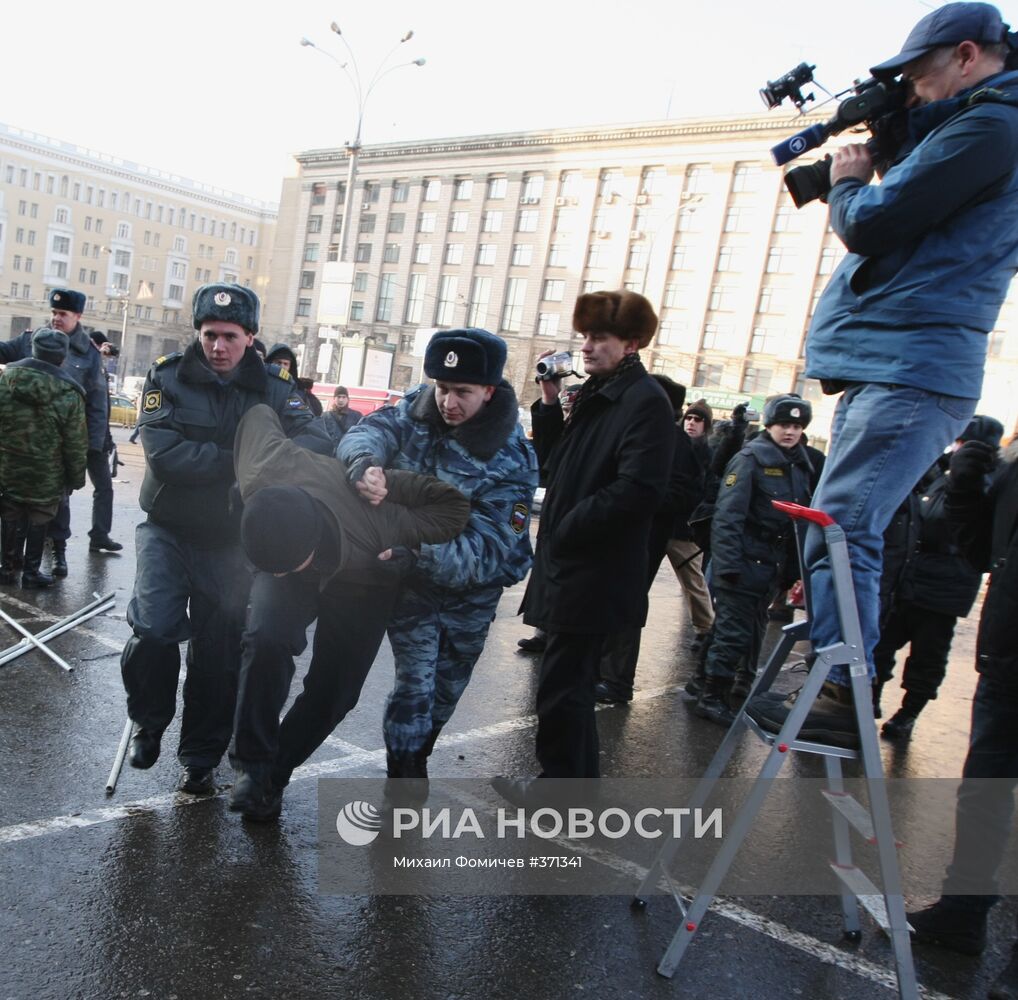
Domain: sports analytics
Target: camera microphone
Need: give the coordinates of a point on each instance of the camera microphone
(802, 142)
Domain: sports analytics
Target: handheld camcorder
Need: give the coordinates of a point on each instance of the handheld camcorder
(876, 105)
(554, 366)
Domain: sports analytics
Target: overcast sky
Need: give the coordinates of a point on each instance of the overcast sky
(222, 92)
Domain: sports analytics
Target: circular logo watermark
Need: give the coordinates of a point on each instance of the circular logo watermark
(358, 823)
(797, 145)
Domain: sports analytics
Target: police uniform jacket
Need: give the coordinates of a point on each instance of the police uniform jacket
(84, 364)
(487, 458)
(749, 537)
(189, 417)
(418, 509)
(607, 473)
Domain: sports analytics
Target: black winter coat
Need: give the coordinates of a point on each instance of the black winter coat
(989, 535)
(607, 473)
(749, 538)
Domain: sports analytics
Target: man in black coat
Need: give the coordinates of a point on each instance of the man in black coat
(607, 472)
(985, 811)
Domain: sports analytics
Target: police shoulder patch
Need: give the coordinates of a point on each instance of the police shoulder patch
(296, 403)
(153, 401)
(159, 362)
(730, 479)
(280, 373)
(773, 470)
(518, 518)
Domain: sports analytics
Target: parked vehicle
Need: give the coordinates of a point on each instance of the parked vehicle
(123, 410)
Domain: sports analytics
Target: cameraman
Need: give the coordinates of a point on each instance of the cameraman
(900, 331)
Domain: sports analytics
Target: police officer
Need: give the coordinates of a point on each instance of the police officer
(192, 581)
(84, 363)
(751, 543)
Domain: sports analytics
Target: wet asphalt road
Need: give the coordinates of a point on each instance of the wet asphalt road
(153, 894)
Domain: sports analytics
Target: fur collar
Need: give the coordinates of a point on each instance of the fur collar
(486, 432)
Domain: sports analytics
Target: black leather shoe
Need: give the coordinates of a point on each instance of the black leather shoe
(104, 545)
(144, 751)
(950, 926)
(59, 564)
(714, 708)
(246, 793)
(265, 809)
(532, 644)
(693, 689)
(197, 781)
(899, 726)
(605, 694)
(36, 578)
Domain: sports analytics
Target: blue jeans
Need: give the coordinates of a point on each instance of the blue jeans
(884, 437)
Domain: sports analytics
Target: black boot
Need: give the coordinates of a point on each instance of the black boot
(59, 566)
(713, 703)
(12, 558)
(831, 720)
(952, 923)
(32, 576)
(741, 688)
(901, 724)
(878, 689)
(408, 777)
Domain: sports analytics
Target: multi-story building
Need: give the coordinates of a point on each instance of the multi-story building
(137, 241)
(504, 231)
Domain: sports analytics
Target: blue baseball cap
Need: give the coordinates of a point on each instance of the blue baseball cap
(948, 25)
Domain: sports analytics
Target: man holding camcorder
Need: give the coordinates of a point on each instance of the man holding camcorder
(900, 331)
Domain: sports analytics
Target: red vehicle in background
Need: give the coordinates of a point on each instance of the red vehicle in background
(363, 400)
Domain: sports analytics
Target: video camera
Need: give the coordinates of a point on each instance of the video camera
(554, 366)
(878, 105)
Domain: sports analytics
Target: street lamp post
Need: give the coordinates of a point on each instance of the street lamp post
(362, 93)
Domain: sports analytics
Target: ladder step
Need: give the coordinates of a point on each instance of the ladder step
(854, 812)
(870, 897)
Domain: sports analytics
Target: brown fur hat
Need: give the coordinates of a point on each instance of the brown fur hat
(623, 314)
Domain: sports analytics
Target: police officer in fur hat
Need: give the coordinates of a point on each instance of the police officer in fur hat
(192, 580)
(607, 470)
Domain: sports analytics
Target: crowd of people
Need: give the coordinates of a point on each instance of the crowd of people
(265, 515)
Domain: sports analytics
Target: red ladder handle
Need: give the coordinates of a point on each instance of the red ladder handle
(797, 510)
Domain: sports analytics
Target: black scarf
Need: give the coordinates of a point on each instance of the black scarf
(596, 383)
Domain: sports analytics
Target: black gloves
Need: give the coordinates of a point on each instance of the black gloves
(970, 465)
(739, 414)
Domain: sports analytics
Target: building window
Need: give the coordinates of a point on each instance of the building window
(553, 291)
(592, 285)
(400, 191)
(426, 222)
(363, 253)
(458, 222)
(397, 222)
(773, 300)
(480, 295)
(564, 221)
(780, 260)
(310, 252)
(746, 177)
(738, 220)
(730, 258)
(486, 254)
(175, 293)
(372, 190)
(829, 259)
(717, 336)
(699, 178)
(671, 333)
(303, 307)
(121, 258)
(390, 255)
(123, 231)
(432, 189)
(595, 255)
(675, 295)
(527, 222)
(422, 253)
(609, 183)
(453, 253)
(512, 309)
(446, 300)
(314, 223)
(62, 245)
(547, 324)
(533, 188)
(557, 253)
(756, 379)
(356, 310)
(709, 376)
(786, 220)
(415, 298)
(61, 216)
(307, 279)
(635, 258)
(360, 281)
(463, 188)
(491, 222)
(653, 180)
(766, 340)
(318, 194)
(367, 223)
(722, 297)
(386, 293)
(522, 255)
(337, 223)
(497, 187)
(331, 253)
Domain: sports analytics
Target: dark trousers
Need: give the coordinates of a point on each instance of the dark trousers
(930, 634)
(59, 529)
(567, 744)
(351, 618)
(985, 810)
(102, 494)
(740, 621)
(619, 657)
(185, 592)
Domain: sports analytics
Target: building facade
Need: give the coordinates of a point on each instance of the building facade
(504, 231)
(137, 241)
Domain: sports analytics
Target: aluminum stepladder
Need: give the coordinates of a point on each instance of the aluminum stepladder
(887, 907)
